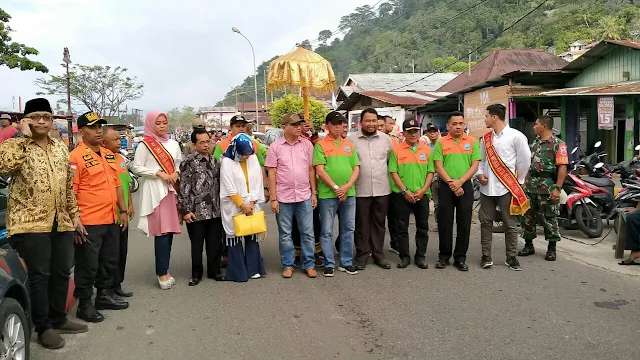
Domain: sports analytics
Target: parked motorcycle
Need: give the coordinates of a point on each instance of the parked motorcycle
(135, 184)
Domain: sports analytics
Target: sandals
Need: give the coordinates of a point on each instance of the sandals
(630, 262)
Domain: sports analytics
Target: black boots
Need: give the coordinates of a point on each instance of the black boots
(527, 250)
(107, 300)
(87, 312)
(551, 251)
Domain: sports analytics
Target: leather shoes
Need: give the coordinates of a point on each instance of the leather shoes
(551, 255)
(383, 264)
(404, 262)
(461, 266)
(527, 250)
(441, 264)
(123, 293)
(360, 267)
(421, 262)
(107, 300)
(194, 281)
(87, 312)
(217, 277)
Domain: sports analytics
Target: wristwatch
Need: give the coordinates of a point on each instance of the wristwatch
(557, 188)
(336, 187)
(404, 191)
(315, 193)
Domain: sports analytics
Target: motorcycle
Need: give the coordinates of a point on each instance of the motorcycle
(135, 183)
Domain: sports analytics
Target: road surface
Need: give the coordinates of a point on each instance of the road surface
(563, 310)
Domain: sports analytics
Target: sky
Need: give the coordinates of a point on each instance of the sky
(183, 51)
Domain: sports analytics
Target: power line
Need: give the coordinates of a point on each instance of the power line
(478, 48)
(470, 8)
(338, 30)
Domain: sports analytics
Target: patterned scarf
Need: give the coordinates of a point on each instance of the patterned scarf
(240, 145)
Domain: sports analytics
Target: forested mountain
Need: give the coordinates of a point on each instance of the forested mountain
(428, 35)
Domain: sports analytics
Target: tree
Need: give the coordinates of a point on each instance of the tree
(293, 104)
(181, 118)
(102, 89)
(13, 54)
(385, 9)
(324, 35)
(610, 27)
(306, 45)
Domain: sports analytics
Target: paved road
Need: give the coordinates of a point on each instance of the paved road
(563, 310)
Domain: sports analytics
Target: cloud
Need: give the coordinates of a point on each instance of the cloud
(183, 51)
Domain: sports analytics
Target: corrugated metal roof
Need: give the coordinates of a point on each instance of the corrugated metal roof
(501, 62)
(599, 51)
(404, 98)
(398, 82)
(204, 109)
(623, 88)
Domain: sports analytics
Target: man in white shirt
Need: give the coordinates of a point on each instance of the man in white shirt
(511, 151)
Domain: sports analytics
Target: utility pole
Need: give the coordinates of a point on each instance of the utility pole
(67, 60)
(413, 66)
(265, 87)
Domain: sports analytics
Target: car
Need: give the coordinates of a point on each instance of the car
(259, 136)
(15, 308)
(272, 135)
(14, 304)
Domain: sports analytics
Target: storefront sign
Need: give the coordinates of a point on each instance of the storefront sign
(605, 112)
(475, 104)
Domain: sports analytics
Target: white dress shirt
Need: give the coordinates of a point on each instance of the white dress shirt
(513, 148)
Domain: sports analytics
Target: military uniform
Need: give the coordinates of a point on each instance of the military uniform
(546, 156)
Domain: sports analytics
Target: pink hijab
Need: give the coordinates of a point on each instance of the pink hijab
(150, 125)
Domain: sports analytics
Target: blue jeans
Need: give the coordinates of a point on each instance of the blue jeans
(163, 253)
(304, 218)
(347, 218)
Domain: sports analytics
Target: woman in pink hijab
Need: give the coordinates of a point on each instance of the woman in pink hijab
(157, 161)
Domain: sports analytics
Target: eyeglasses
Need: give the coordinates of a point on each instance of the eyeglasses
(38, 117)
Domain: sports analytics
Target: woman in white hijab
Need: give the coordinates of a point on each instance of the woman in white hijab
(241, 191)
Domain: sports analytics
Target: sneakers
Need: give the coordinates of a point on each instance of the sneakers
(50, 339)
(486, 262)
(513, 264)
(328, 272)
(287, 273)
(351, 270)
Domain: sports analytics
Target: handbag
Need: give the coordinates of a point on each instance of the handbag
(252, 224)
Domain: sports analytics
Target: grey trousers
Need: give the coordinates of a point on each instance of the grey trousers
(488, 214)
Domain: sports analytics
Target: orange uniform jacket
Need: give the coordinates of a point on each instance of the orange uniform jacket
(95, 181)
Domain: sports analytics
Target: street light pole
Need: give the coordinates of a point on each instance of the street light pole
(67, 60)
(255, 71)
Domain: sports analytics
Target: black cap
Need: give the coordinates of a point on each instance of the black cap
(431, 127)
(335, 118)
(237, 118)
(90, 118)
(410, 124)
(38, 104)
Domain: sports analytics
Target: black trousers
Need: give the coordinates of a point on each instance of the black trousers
(393, 227)
(207, 233)
(122, 256)
(49, 259)
(463, 208)
(97, 260)
(370, 229)
(403, 210)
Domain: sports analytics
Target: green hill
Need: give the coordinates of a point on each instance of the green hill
(424, 35)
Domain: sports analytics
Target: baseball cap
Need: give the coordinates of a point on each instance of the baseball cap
(237, 118)
(431, 127)
(410, 124)
(5, 117)
(197, 123)
(335, 118)
(291, 119)
(90, 118)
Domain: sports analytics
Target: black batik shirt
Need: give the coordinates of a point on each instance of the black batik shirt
(200, 187)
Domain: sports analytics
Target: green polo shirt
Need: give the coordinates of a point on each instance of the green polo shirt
(412, 164)
(339, 157)
(457, 156)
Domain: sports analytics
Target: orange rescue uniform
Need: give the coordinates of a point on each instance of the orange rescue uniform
(95, 181)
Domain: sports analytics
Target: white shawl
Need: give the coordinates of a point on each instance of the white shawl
(153, 188)
(232, 181)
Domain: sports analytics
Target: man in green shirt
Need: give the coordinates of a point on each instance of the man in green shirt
(338, 167)
(411, 170)
(456, 158)
(111, 141)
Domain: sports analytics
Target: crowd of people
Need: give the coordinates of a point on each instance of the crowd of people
(69, 209)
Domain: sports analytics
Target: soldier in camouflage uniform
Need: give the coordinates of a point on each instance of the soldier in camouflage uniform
(543, 185)
(190, 147)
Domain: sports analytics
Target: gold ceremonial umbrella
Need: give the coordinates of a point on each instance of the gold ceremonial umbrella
(301, 69)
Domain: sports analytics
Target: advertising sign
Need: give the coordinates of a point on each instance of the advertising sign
(605, 112)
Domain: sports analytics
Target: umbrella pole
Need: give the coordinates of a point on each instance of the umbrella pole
(305, 101)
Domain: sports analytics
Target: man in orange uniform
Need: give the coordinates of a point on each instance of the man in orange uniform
(98, 190)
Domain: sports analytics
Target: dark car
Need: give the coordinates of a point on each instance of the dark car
(15, 308)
